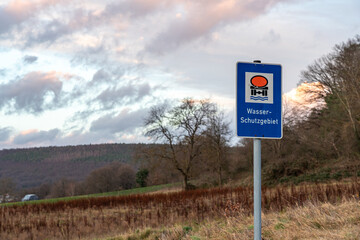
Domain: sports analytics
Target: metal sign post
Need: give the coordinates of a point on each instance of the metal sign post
(257, 188)
(259, 115)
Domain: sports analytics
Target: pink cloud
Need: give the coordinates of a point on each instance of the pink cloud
(34, 136)
(191, 19)
(203, 17)
(18, 11)
(31, 93)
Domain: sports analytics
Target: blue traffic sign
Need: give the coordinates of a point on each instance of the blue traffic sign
(259, 106)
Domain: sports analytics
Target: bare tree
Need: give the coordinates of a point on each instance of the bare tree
(113, 177)
(43, 191)
(180, 129)
(339, 72)
(7, 187)
(63, 188)
(217, 137)
(146, 157)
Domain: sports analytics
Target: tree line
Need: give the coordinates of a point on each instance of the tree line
(323, 143)
(112, 177)
(32, 167)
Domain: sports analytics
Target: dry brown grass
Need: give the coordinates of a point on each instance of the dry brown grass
(311, 221)
(110, 216)
(320, 221)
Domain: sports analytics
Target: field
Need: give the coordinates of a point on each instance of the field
(150, 189)
(184, 214)
(320, 221)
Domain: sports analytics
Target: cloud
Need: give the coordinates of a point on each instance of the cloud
(18, 11)
(92, 55)
(271, 37)
(100, 76)
(35, 136)
(50, 32)
(43, 24)
(33, 93)
(125, 121)
(5, 133)
(3, 71)
(173, 23)
(106, 75)
(11, 15)
(136, 8)
(203, 17)
(127, 94)
(68, 23)
(184, 20)
(33, 22)
(30, 59)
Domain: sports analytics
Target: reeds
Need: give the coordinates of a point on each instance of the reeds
(105, 216)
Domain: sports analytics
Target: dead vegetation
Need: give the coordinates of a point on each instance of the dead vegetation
(110, 216)
(321, 221)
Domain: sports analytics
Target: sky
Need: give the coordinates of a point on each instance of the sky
(87, 72)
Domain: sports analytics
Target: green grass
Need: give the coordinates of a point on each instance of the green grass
(107, 194)
(320, 176)
(135, 190)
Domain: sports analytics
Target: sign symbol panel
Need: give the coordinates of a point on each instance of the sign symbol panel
(258, 104)
(259, 87)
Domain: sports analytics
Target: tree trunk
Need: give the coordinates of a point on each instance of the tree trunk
(220, 177)
(186, 182)
(219, 167)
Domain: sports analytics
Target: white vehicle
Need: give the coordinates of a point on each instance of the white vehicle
(30, 197)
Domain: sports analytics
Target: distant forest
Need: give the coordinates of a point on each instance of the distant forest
(32, 167)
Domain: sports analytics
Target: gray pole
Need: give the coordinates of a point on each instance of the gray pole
(257, 185)
(257, 189)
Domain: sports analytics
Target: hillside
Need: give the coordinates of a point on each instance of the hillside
(32, 167)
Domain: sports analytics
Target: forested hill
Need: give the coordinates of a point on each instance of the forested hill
(99, 152)
(32, 167)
